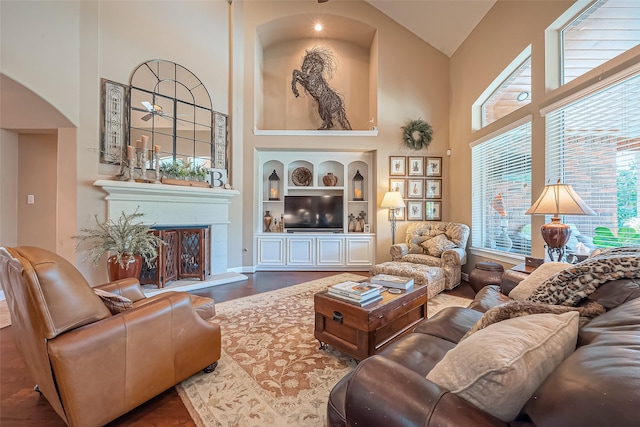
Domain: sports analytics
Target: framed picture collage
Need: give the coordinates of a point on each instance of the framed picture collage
(419, 179)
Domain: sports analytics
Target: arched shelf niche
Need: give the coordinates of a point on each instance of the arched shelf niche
(282, 45)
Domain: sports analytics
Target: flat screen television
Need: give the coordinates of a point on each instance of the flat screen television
(313, 213)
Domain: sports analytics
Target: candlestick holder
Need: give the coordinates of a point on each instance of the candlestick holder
(131, 170)
(157, 169)
(143, 165)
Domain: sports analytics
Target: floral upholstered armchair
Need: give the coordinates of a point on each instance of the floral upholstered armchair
(437, 244)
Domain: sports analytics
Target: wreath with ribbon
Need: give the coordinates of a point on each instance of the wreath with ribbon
(417, 134)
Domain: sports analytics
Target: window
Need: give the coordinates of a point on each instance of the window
(593, 144)
(600, 33)
(512, 94)
(501, 190)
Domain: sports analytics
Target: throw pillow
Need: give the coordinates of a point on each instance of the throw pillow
(114, 302)
(513, 309)
(531, 283)
(438, 244)
(499, 368)
(415, 244)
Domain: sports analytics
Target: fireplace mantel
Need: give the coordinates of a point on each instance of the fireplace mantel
(176, 205)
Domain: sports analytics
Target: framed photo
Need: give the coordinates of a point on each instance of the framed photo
(416, 166)
(433, 211)
(400, 214)
(114, 122)
(397, 165)
(434, 166)
(415, 188)
(398, 184)
(414, 211)
(433, 189)
(367, 228)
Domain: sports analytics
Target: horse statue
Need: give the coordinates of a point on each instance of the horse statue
(317, 63)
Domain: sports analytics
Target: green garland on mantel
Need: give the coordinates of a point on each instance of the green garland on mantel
(417, 134)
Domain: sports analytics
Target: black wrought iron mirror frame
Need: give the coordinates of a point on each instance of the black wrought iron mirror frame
(170, 105)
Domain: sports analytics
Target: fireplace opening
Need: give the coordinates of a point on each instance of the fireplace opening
(184, 255)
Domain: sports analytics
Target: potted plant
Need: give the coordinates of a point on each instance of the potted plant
(128, 241)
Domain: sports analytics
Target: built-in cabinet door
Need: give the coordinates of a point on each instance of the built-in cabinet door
(300, 251)
(360, 251)
(271, 251)
(330, 251)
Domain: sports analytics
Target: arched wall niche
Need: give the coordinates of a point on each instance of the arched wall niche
(282, 45)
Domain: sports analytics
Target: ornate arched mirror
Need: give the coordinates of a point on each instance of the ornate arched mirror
(170, 105)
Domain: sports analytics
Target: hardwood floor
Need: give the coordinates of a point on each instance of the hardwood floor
(21, 406)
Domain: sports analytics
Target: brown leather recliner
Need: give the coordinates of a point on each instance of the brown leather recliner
(90, 365)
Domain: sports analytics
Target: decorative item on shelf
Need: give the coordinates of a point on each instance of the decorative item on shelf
(558, 199)
(156, 156)
(274, 186)
(361, 221)
(267, 221)
(275, 227)
(352, 223)
(417, 134)
(358, 187)
(282, 223)
(318, 66)
(301, 177)
(188, 174)
(143, 153)
(392, 200)
(129, 242)
(330, 180)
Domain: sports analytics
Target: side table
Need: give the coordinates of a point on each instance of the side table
(513, 276)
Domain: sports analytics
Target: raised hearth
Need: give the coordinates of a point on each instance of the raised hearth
(178, 206)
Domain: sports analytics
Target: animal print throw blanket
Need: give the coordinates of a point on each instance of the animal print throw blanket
(563, 291)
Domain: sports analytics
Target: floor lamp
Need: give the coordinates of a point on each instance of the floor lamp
(558, 199)
(393, 201)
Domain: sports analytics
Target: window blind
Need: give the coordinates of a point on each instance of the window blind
(593, 144)
(501, 191)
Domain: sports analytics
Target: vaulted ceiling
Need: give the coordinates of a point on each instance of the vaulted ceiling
(444, 24)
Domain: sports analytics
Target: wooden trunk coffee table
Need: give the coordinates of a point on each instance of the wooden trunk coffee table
(364, 331)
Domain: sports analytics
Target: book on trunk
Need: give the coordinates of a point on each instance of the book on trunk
(392, 281)
(360, 302)
(356, 290)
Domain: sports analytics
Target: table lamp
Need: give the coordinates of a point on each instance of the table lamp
(393, 201)
(558, 199)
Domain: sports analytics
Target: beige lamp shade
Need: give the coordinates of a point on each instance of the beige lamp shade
(392, 200)
(559, 199)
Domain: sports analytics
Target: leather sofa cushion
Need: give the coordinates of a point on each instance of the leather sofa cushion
(598, 384)
(487, 298)
(418, 352)
(449, 324)
(501, 377)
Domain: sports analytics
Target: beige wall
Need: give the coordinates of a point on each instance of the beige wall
(410, 76)
(493, 44)
(37, 154)
(8, 188)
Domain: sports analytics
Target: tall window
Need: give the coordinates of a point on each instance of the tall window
(602, 32)
(514, 92)
(501, 190)
(593, 144)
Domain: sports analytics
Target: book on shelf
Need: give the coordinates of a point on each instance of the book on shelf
(360, 302)
(392, 281)
(355, 290)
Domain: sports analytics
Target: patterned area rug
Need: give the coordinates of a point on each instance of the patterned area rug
(271, 372)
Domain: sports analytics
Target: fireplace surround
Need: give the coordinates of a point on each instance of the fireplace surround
(166, 206)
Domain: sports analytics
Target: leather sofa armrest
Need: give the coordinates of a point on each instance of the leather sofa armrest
(132, 357)
(489, 297)
(128, 288)
(454, 257)
(510, 280)
(398, 250)
(382, 392)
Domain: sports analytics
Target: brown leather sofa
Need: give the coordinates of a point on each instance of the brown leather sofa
(597, 385)
(90, 365)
